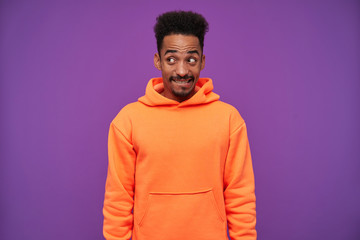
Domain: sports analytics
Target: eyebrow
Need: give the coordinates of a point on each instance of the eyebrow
(175, 51)
(194, 51)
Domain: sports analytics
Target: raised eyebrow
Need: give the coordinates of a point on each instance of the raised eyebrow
(175, 51)
(170, 51)
(194, 51)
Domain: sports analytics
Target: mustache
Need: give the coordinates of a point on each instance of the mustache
(186, 77)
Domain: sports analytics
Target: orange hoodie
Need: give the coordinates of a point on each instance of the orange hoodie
(179, 171)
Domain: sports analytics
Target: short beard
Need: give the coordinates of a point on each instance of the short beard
(182, 94)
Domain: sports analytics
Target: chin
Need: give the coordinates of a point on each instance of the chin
(184, 94)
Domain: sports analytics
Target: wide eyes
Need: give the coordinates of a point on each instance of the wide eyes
(172, 60)
(192, 60)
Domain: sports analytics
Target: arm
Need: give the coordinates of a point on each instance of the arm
(119, 188)
(239, 187)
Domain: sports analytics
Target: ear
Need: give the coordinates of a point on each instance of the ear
(157, 63)
(202, 62)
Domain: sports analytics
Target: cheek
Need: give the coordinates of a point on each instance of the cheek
(166, 74)
(167, 70)
(196, 70)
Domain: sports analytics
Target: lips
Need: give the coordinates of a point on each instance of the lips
(182, 81)
(185, 79)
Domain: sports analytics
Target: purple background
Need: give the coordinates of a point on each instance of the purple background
(290, 67)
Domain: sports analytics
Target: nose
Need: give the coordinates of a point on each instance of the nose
(181, 69)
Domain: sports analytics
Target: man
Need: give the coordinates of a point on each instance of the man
(179, 157)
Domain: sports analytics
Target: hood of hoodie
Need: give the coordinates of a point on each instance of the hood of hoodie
(203, 95)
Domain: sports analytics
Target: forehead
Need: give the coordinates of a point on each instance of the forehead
(180, 43)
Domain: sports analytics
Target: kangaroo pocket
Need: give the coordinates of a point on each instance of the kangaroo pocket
(185, 215)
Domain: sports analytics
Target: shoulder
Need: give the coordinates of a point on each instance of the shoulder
(234, 117)
(232, 111)
(123, 117)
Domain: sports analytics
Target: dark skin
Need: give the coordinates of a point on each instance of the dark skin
(180, 62)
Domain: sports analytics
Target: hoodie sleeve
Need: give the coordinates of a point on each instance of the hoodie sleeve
(119, 188)
(239, 186)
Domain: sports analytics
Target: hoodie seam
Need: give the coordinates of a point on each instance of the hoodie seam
(122, 133)
(238, 128)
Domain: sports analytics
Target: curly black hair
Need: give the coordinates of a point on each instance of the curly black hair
(180, 22)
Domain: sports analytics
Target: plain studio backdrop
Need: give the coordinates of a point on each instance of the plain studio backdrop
(291, 68)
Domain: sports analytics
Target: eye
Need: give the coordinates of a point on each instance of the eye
(192, 60)
(171, 60)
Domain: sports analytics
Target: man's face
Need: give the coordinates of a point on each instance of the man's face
(180, 63)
